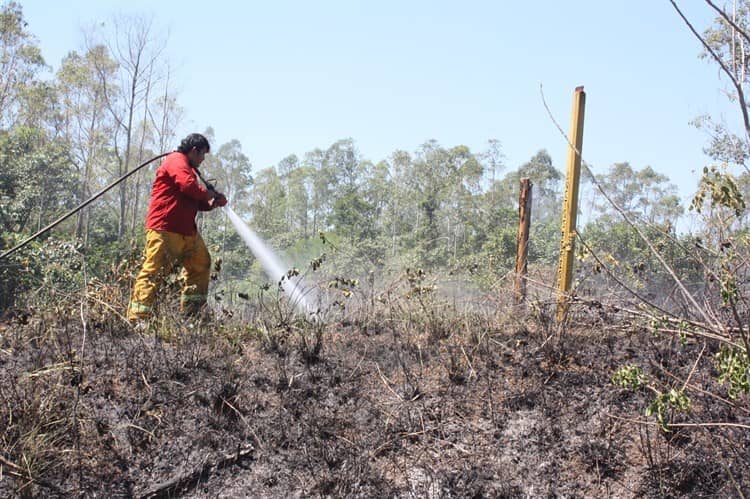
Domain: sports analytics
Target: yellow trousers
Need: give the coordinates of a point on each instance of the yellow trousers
(164, 250)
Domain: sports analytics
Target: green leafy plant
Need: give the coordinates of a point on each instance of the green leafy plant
(733, 364)
(674, 400)
(630, 376)
(721, 189)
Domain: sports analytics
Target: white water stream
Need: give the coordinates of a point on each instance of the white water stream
(272, 264)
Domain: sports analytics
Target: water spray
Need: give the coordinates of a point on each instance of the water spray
(273, 266)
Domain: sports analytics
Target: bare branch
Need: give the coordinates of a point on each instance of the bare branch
(737, 85)
(728, 20)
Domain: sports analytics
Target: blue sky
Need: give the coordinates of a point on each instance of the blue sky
(285, 77)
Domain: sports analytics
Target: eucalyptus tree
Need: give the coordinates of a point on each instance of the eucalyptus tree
(35, 179)
(401, 213)
(440, 184)
(286, 169)
(267, 205)
(87, 126)
(352, 217)
(345, 167)
(641, 194)
(427, 182)
(34, 167)
(296, 179)
(462, 209)
(231, 170)
(493, 162)
(378, 189)
(322, 189)
(726, 42)
(21, 63)
(132, 42)
(546, 206)
(495, 241)
(547, 185)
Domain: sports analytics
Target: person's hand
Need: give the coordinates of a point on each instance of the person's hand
(219, 200)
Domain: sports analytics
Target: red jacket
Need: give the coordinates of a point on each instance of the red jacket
(176, 197)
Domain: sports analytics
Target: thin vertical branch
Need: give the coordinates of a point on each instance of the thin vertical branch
(731, 22)
(727, 71)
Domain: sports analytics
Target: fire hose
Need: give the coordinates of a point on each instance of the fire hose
(81, 206)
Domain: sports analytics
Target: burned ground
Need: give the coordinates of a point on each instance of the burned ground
(389, 407)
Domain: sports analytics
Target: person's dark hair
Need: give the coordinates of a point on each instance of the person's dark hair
(194, 140)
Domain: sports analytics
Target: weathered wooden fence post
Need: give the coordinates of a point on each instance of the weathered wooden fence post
(522, 250)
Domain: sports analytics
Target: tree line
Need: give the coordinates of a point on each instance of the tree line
(113, 105)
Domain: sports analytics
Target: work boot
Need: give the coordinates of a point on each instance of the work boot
(196, 313)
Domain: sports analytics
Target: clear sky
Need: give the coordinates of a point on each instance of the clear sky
(284, 77)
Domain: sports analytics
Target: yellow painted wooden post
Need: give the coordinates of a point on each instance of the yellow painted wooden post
(570, 204)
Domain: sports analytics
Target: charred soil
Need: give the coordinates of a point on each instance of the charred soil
(384, 409)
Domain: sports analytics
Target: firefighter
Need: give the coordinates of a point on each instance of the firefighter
(172, 236)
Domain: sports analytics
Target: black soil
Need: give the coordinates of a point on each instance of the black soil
(384, 409)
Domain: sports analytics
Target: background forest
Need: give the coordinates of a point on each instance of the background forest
(402, 249)
(441, 207)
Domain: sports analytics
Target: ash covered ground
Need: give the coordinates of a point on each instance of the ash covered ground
(385, 408)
